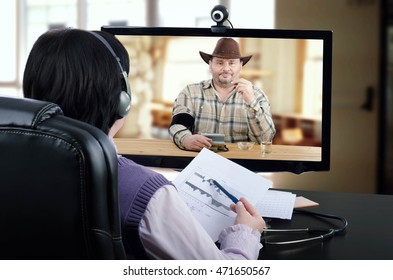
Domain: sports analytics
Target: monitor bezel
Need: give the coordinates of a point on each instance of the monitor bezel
(264, 165)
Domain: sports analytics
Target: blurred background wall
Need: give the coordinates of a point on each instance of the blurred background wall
(360, 135)
(355, 72)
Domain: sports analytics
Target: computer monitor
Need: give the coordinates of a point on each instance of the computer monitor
(292, 67)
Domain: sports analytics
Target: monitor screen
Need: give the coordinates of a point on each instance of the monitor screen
(292, 67)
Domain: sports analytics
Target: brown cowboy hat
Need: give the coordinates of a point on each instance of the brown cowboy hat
(226, 48)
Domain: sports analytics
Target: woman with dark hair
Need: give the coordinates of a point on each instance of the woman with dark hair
(72, 69)
(85, 73)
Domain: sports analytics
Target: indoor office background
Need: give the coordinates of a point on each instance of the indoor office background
(361, 144)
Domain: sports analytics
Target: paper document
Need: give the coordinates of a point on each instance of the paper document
(210, 205)
(276, 204)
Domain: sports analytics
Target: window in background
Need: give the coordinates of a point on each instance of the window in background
(252, 13)
(9, 47)
(115, 12)
(180, 13)
(38, 16)
(42, 15)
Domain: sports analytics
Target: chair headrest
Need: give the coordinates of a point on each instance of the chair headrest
(25, 112)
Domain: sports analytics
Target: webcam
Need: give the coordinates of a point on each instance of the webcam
(219, 14)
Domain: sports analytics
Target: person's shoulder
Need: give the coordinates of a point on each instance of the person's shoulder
(206, 84)
(126, 163)
(197, 87)
(194, 90)
(128, 166)
(203, 84)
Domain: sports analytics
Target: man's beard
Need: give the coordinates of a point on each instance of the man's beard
(224, 82)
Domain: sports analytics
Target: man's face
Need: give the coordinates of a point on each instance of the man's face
(224, 71)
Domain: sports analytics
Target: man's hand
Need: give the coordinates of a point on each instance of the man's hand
(196, 142)
(244, 87)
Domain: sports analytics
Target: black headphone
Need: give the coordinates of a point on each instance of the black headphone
(125, 96)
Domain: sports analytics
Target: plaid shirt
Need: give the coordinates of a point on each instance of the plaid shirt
(234, 118)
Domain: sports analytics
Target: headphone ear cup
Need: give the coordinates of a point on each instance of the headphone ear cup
(124, 104)
(125, 97)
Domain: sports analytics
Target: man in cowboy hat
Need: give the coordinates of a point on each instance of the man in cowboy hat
(226, 104)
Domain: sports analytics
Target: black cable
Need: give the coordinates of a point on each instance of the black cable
(230, 23)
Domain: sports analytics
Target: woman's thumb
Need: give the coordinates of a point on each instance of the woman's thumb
(239, 207)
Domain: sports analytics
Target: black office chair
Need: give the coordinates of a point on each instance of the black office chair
(58, 186)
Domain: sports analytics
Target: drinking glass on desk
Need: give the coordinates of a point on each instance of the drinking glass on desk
(266, 147)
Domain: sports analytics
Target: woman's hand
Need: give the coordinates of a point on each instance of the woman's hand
(248, 215)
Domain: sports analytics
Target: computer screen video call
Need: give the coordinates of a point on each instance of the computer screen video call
(293, 71)
(289, 71)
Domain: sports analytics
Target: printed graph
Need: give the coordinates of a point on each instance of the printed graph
(200, 193)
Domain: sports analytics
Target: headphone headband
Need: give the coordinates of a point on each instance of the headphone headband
(125, 97)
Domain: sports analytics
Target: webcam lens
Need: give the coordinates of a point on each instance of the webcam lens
(218, 16)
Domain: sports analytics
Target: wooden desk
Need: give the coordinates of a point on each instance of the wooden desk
(166, 148)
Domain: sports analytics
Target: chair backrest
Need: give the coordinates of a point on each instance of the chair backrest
(58, 185)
